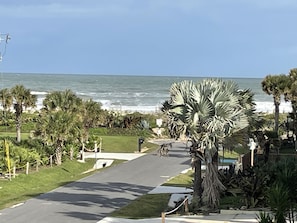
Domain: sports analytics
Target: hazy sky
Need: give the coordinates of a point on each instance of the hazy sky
(222, 38)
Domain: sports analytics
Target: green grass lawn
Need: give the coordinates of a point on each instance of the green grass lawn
(181, 180)
(13, 134)
(152, 205)
(124, 144)
(146, 206)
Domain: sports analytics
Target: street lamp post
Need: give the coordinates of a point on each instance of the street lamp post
(252, 145)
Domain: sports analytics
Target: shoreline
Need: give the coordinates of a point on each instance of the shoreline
(261, 106)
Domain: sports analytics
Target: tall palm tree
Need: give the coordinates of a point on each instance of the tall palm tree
(91, 115)
(255, 121)
(60, 121)
(291, 95)
(247, 102)
(66, 101)
(276, 85)
(22, 99)
(210, 111)
(177, 122)
(6, 102)
(55, 129)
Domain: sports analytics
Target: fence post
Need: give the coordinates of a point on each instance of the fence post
(187, 205)
(71, 153)
(51, 160)
(37, 163)
(13, 171)
(163, 217)
(27, 168)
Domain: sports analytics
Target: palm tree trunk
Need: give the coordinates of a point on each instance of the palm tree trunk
(212, 185)
(276, 118)
(197, 180)
(18, 128)
(58, 155)
(294, 111)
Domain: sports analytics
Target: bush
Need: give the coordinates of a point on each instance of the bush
(264, 217)
(18, 156)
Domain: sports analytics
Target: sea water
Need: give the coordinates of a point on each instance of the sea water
(125, 92)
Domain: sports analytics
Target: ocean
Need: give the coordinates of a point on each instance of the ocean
(124, 92)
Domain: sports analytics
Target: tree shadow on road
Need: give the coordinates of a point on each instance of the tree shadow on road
(94, 201)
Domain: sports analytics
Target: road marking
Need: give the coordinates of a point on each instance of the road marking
(48, 203)
(16, 205)
(165, 176)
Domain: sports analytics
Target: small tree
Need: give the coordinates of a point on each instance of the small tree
(291, 95)
(56, 129)
(277, 86)
(22, 99)
(6, 102)
(59, 121)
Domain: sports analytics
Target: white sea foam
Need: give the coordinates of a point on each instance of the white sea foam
(268, 107)
(265, 107)
(126, 93)
(39, 92)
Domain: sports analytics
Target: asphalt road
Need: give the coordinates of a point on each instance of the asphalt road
(94, 197)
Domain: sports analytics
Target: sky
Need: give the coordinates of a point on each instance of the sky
(207, 38)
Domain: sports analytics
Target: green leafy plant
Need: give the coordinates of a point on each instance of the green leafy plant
(264, 217)
(278, 201)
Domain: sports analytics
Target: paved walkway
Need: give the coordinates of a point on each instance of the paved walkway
(119, 156)
(213, 218)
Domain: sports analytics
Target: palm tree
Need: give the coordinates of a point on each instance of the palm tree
(276, 85)
(175, 110)
(59, 121)
(55, 129)
(255, 121)
(91, 115)
(6, 102)
(210, 111)
(22, 99)
(66, 101)
(291, 95)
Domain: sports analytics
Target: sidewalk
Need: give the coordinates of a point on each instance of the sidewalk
(117, 156)
(216, 218)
